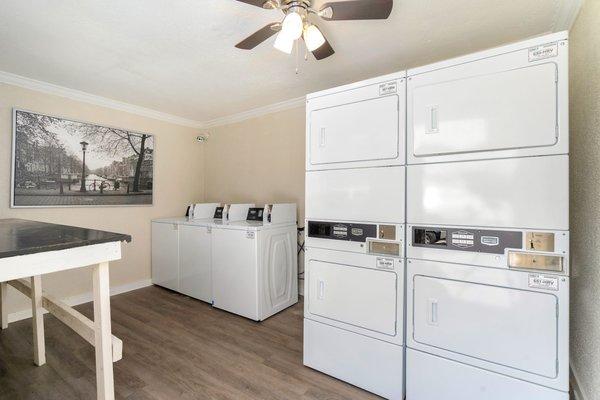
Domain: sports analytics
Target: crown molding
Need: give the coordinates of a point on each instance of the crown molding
(49, 88)
(567, 14)
(256, 112)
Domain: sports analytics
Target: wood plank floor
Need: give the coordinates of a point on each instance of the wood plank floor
(174, 348)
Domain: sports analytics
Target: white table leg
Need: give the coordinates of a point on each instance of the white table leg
(39, 347)
(103, 337)
(3, 309)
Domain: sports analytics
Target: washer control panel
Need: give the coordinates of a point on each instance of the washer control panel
(255, 214)
(474, 240)
(218, 213)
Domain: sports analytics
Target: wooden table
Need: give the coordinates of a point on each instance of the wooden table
(29, 249)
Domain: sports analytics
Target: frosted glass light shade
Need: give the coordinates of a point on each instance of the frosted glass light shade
(313, 38)
(292, 25)
(284, 43)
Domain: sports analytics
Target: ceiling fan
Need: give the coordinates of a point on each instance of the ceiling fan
(296, 25)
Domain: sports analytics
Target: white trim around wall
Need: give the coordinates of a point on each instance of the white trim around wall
(256, 112)
(84, 298)
(49, 88)
(578, 393)
(567, 14)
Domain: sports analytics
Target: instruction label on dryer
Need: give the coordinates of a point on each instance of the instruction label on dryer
(539, 281)
(542, 52)
(385, 263)
(388, 88)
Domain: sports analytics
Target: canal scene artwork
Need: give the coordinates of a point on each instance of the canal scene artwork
(58, 162)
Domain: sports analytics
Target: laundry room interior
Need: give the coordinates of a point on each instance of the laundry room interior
(300, 199)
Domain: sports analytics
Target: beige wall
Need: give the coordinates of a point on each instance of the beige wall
(259, 160)
(178, 180)
(584, 45)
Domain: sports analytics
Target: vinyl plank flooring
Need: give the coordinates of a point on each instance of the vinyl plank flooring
(174, 347)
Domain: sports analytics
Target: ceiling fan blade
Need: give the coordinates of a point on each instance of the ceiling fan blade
(259, 36)
(257, 3)
(324, 51)
(356, 9)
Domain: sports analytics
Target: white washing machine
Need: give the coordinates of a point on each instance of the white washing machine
(255, 263)
(195, 269)
(182, 248)
(487, 225)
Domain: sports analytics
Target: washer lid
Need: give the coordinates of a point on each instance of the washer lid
(253, 225)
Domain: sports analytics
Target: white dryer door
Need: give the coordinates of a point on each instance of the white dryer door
(361, 297)
(511, 327)
(511, 109)
(355, 128)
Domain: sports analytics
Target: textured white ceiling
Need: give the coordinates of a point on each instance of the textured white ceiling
(178, 56)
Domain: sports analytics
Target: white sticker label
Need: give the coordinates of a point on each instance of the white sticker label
(385, 263)
(249, 235)
(544, 51)
(540, 281)
(388, 88)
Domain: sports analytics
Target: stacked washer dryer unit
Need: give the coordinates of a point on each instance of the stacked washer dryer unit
(488, 225)
(355, 215)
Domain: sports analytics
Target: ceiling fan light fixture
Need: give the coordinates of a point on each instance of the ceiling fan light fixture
(292, 25)
(313, 38)
(284, 43)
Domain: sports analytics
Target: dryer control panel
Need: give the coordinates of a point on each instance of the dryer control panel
(512, 249)
(341, 231)
(474, 240)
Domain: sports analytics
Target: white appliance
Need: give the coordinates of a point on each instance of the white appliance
(487, 313)
(182, 248)
(354, 304)
(255, 264)
(355, 215)
(357, 125)
(529, 192)
(487, 225)
(361, 194)
(511, 101)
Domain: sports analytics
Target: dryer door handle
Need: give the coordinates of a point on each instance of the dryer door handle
(322, 139)
(321, 290)
(434, 124)
(432, 312)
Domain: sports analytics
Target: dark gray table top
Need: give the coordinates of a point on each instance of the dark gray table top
(19, 237)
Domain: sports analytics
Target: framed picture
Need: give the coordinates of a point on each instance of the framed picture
(59, 162)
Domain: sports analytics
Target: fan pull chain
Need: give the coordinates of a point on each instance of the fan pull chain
(297, 56)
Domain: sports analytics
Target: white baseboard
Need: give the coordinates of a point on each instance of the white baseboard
(84, 298)
(575, 383)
